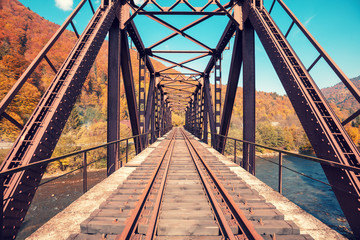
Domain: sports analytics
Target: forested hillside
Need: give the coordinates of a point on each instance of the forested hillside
(23, 33)
(278, 125)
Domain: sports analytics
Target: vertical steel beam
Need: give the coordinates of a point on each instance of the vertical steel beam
(104, 3)
(186, 118)
(142, 95)
(161, 115)
(152, 118)
(209, 107)
(130, 89)
(249, 93)
(201, 113)
(217, 93)
(195, 106)
(157, 112)
(232, 85)
(149, 112)
(205, 117)
(113, 111)
(191, 114)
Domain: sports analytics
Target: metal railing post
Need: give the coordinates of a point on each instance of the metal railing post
(234, 150)
(247, 156)
(280, 172)
(84, 173)
(119, 163)
(2, 188)
(127, 152)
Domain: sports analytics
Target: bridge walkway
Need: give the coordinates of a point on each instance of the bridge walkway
(169, 195)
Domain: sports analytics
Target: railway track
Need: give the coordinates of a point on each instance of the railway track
(182, 191)
(184, 178)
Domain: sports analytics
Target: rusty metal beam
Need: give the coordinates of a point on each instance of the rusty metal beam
(12, 120)
(183, 13)
(149, 112)
(224, 40)
(178, 51)
(30, 69)
(352, 117)
(135, 37)
(41, 133)
(350, 85)
(130, 89)
(209, 107)
(172, 62)
(200, 20)
(248, 46)
(326, 134)
(184, 62)
(113, 108)
(234, 73)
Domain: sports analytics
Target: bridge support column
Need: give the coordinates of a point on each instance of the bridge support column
(233, 81)
(210, 111)
(130, 89)
(150, 108)
(205, 117)
(201, 113)
(161, 115)
(113, 110)
(196, 119)
(249, 96)
(157, 112)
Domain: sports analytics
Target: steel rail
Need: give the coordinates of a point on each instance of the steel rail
(132, 221)
(154, 217)
(221, 219)
(244, 224)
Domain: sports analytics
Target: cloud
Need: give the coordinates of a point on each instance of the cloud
(139, 2)
(307, 22)
(65, 5)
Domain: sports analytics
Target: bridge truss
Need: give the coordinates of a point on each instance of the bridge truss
(170, 90)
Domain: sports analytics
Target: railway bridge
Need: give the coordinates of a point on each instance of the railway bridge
(180, 176)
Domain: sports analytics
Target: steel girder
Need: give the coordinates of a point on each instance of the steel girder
(130, 89)
(209, 107)
(113, 109)
(150, 107)
(234, 73)
(324, 130)
(205, 116)
(42, 132)
(249, 121)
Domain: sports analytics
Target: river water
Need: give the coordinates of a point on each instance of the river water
(314, 197)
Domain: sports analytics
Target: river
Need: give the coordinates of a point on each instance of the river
(314, 197)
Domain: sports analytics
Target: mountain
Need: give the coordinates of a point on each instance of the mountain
(23, 33)
(340, 96)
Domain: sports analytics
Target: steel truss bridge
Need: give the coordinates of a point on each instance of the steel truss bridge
(170, 90)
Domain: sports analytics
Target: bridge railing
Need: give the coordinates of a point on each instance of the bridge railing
(246, 147)
(43, 163)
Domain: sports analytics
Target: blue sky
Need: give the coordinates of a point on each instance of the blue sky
(335, 25)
